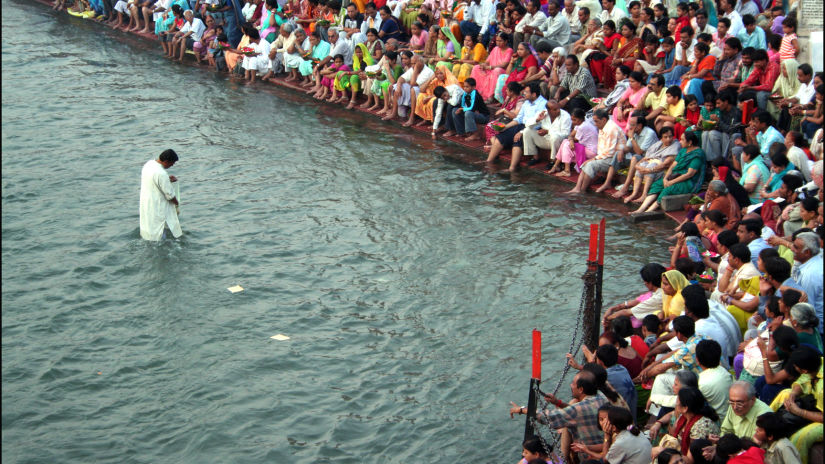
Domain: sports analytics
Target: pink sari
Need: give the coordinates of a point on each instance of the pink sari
(486, 79)
(633, 97)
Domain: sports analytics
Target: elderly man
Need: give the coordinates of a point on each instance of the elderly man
(405, 90)
(808, 274)
(745, 407)
(339, 45)
(575, 86)
(285, 39)
(571, 14)
(639, 139)
(555, 31)
(581, 418)
(554, 125)
(191, 32)
(611, 142)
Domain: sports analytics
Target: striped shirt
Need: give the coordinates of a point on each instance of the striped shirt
(581, 81)
(787, 50)
(611, 140)
(582, 419)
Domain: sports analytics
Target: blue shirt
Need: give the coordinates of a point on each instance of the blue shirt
(530, 109)
(809, 277)
(768, 138)
(755, 246)
(755, 40)
(620, 380)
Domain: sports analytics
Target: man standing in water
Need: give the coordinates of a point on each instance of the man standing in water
(157, 198)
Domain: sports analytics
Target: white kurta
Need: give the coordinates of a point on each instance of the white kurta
(260, 62)
(156, 211)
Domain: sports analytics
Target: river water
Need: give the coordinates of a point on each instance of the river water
(407, 279)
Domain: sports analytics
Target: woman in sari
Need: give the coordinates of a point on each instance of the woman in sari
(685, 175)
(522, 64)
(409, 13)
(630, 99)
(472, 53)
(232, 57)
(591, 42)
(199, 48)
(701, 71)
(697, 420)
(453, 17)
(625, 48)
(754, 173)
(424, 101)
(657, 160)
(508, 111)
(320, 50)
(354, 79)
(373, 43)
(445, 48)
(486, 74)
(673, 304)
(786, 85)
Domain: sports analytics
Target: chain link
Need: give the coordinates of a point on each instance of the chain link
(587, 297)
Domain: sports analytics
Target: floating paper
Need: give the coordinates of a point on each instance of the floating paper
(279, 337)
(235, 289)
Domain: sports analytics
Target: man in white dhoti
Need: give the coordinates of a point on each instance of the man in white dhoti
(157, 198)
(555, 127)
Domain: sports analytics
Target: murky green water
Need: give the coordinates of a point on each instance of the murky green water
(408, 281)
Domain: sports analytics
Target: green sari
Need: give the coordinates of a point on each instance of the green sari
(441, 49)
(343, 80)
(695, 159)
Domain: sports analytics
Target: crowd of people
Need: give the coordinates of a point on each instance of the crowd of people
(719, 358)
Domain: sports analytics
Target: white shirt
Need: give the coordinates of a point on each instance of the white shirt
(557, 28)
(425, 75)
(573, 19)
(365, 26)
(678, 54)
(616, 15)
(805, 94)
(156, 211)
(707, 30)
(534, 20)
(594, 6)
(342, 46)
(715, 51)
(714, 384)
(709, 329)
(558, 128)
(196, 27)
(736, 25)
(455, 97)
(481, 14)
(746, 7)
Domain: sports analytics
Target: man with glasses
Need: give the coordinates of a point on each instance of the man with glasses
(740, 419)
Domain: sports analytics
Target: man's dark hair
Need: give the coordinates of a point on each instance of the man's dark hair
(748, 20)
(727, 238)
(578, 113)
(724, 21)
(608, 355)
(168, 155)
(687, 30)
(601, 114)
(587, 382)
(534, 87)
(573, 58)
(763, 116)
(652, 323)
(708, 353)
(695, 301)
(659, 78)
(652, 274)
(778, 269)
(438, 91)
(684, 325)
(753, 225)
(760, 55)
(674, 91)
(741, 252)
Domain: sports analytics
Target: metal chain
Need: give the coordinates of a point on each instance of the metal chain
(589, 278)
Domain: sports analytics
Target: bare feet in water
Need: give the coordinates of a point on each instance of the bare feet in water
(620, 193)
(603, 187)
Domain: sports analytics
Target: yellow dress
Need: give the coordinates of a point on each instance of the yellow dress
(673, 306)
(424, 101)
(478, 55)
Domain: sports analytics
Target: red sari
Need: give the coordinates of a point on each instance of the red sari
(601, 65)
(520, 67)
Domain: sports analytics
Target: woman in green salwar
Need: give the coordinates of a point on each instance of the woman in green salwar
(352, 80)
(685, 175)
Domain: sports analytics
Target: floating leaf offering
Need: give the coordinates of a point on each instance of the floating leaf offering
(708, 125)
(248, 51)
(322, 23)
(497, 126)
(709, 254)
